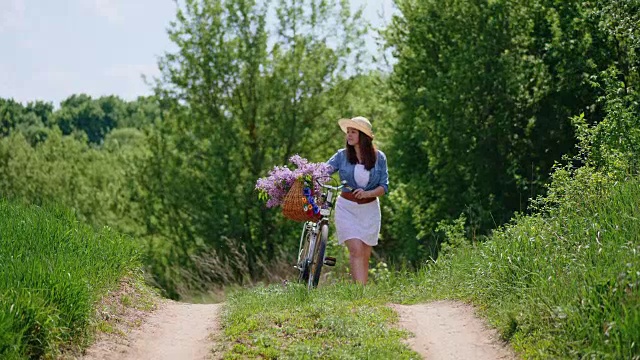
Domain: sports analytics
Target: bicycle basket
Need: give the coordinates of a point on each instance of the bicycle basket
(296, 205)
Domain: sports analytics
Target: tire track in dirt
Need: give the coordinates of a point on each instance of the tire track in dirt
(443, 330)
(173, 331)
(446, 330)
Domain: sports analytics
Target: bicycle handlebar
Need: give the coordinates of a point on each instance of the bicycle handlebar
(343, 184)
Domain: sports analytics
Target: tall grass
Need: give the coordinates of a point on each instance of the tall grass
(52, 269)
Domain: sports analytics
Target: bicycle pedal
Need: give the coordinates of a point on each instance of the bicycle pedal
(329, 261)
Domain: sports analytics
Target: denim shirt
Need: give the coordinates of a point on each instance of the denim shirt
(379, 175)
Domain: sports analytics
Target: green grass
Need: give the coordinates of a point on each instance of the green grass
(52, 271)
(563, 285)
(288, 322)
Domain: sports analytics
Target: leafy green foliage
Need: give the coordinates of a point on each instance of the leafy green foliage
(96, 183)
(487, 92)
(10, 110)
(239, 96)
(94, 118)
(613, 144)
(454, 234)
(53, 269)
(78, 114)
(32, 120)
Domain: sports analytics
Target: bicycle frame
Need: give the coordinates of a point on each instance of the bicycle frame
(314, 237)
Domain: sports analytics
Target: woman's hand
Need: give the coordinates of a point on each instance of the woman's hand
(361, 194)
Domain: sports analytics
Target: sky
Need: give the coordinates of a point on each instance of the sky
(50, 50)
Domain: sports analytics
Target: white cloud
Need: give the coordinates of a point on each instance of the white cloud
(108, 9)
(11, 14)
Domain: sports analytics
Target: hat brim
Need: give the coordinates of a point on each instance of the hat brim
(345, 124)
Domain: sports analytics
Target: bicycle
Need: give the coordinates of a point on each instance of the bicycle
(314, 237)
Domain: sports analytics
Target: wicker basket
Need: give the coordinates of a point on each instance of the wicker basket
(294, 203)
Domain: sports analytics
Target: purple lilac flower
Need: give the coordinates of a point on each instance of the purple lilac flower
(280, 179)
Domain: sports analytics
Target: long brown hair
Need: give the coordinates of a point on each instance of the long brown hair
(367, 151)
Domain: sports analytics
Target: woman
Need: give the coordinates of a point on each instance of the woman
(357, 212)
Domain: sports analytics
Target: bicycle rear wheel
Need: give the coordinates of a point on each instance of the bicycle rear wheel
(318, 256)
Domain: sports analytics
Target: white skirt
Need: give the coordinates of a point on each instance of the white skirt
(357, 221)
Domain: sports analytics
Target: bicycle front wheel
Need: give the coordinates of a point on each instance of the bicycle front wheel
(304, 256)
(318, 256)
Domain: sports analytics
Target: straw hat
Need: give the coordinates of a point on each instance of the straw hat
(359, 122)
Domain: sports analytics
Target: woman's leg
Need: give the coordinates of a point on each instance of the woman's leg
(359, 254)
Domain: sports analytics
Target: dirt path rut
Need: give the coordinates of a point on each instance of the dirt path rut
(446, 330)
(442, 330)
(173, 331)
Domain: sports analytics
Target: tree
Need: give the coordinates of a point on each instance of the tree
(10, 114)
(239, 96)
(613, 144)
(32, 120)
(43, 110)
(487, 91)
(94, 117)
(141, 113)
(96, 183)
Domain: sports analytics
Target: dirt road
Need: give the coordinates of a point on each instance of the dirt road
(443, 331)
(173, 331)
(446, 330)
